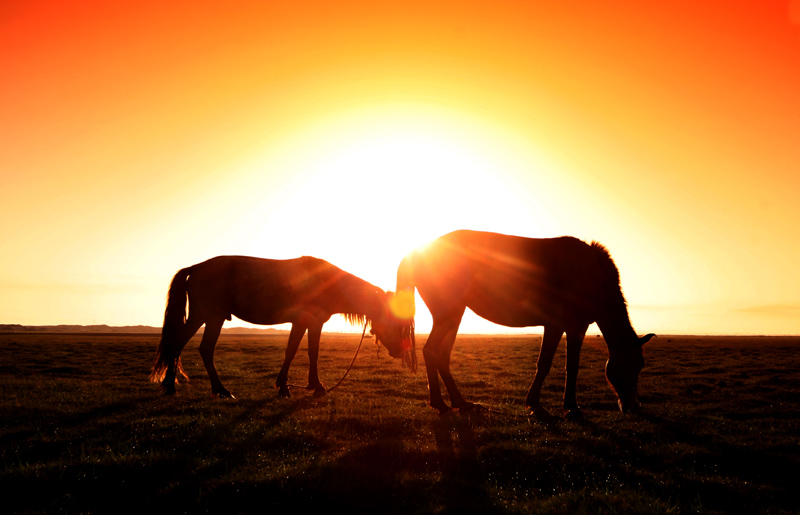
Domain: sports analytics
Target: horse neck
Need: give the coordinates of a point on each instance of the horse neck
(359, 297)
(616, 328)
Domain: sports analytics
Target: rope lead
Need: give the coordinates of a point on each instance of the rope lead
(348, 368)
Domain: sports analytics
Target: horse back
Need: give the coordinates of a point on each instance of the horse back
(260, 290)
(512, 280)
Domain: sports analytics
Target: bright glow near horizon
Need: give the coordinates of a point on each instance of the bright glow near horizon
(367, 189)
(140, 139)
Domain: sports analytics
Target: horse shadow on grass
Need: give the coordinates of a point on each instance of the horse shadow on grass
(764, 473)
(66, 421)
(183, 458)
(708, 465)
(462, 487)
(384, 475)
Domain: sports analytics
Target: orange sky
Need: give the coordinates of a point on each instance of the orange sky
(139, 138)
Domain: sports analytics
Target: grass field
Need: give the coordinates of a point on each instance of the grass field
(81, 430)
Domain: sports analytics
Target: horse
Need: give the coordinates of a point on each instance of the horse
(563, 284)
(305, 292)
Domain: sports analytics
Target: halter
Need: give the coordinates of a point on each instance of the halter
(348, 368)
(354, 358)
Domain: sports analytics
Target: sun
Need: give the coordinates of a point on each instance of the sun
(399, 191)
(363, 192)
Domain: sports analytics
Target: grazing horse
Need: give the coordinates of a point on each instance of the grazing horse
(305, 292)
(562, 284)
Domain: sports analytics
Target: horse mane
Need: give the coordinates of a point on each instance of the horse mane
(410, 357)
(355, 318)
(610, 271)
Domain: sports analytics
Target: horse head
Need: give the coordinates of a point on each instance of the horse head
(394, 327)
(622, 371)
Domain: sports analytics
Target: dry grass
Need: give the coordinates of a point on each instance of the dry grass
(82, 431)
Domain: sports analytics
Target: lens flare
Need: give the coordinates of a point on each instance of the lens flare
(402, 305)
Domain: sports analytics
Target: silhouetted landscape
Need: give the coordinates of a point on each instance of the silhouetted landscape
(82, 430)
(123, 329)
(560, 169)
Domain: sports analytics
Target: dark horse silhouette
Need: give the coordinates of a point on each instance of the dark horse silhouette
(562, 284)
(305, 292)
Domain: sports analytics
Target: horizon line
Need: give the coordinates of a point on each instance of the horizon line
(149, 329)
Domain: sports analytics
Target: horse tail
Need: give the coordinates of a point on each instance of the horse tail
(405, 293)
(174, 319)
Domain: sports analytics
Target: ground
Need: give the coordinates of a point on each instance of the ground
(81, 430)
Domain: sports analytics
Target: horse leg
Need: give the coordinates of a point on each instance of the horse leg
(207, 345)
(187, 331)
(550, 340)
(456, 400)
(436, 351)
(314, 334)
(574, 343)
(431, 354)
(295, 336)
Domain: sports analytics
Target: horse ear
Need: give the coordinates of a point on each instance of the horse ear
(645, 339)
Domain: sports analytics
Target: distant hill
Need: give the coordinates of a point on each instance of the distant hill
(17, 328)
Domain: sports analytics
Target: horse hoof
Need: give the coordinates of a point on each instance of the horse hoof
(320, 392)
(466, 407)
(541, 414)
(443, 410)
(283, 391)
(167, 388)
(574, 415)
(222, 394)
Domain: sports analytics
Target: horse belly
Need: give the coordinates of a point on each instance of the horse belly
(261, 306)
(525, 305)
(511, 309)
(271, 307)
(261, 318)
